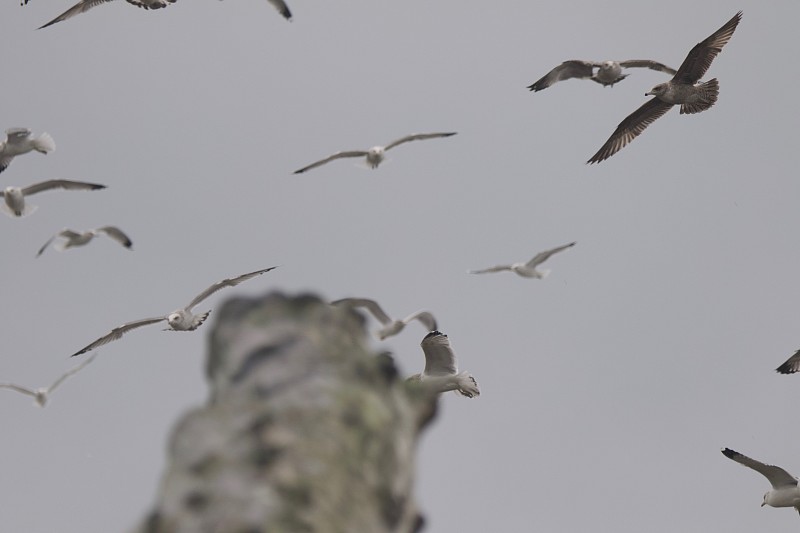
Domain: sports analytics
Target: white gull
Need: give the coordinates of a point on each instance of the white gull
(42, 395)
(441, 368)
(390, 326)
(784, 493)
(73, 238)
(20, 141)
(14, 197)
(526, 270)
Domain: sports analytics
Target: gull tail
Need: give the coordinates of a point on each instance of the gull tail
(199, 319)
(543, 273)
(44, 143)
(467, 386)
(708, 93)
(25, 211)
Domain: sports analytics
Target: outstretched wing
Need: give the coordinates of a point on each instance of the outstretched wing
(776, 475)
(498, 268)
(700, 57)
(337, 155)
(116, 234)
(61, 184)
(282, 8)
(425, 318)
(574, 68)
(439, 356)
(541, 257)
(17, 135)
(45, 245)
(70, 372)
(418, 137)
(633, 125)
(791, 365)
(371, 306)
(81, 7)
(646, 63)
(230, 282)
(17, 388)
(118, 332)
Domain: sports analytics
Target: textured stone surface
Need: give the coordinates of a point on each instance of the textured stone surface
(305, 430)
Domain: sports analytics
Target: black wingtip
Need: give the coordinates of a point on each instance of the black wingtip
(730, 454)
(434, 333)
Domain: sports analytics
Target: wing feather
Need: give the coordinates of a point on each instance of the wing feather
(633, 125)
(776, 475)
(337, 155)
(439, 356)
(61, 184)
(418, 137)
(229, 282)
(703, 53)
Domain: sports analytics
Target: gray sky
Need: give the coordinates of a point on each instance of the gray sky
(608, 388)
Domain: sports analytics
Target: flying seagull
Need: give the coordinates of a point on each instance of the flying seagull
(15, 196)
(85, 5)
(527, 270)
(390, 326)
(80, 238)
(681, 89)
(179, 320)
(42, 395)
(441, 369)
(791, 365)
(20, 141)
(608, 72)
(784, 493)
(375, 154)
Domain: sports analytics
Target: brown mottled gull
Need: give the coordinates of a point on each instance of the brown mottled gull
(681, 89)
(608, 72)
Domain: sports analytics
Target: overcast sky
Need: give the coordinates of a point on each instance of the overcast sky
(608, 388)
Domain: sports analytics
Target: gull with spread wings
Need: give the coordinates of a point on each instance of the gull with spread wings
(527, 270)
(179, 320)
(43, 394)
(376, 154)
(73, 238)
(21, 141)
(683, 89)
(441, 368)
(608, 72)
(15, 196)
(390, 326)
(784, 493)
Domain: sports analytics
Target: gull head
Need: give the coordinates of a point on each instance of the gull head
(175, 321)
(658, 90)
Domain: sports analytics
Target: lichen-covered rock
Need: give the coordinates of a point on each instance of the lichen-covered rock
(305, 430)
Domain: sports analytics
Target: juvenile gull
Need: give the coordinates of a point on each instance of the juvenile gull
(784, 493)
(20, 141)
(390, 326)
(375, 154)
(527, 270)
(15, 196)
(179, 320)
(681, 89)
(42, 395)
(791, 365)
(441, 368)
(80, 238)
(85, 5)
(608, 72)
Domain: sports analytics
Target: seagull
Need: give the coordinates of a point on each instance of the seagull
(42, 395)
(441, 369)
(681, 89)
(15, 196)
(85, 5)
(20, 141)
(376, 154)
(179, 320)
(784, 493)
(390, 327)
(527, 270)
(608, 72)
(80, 238)
(791, 365)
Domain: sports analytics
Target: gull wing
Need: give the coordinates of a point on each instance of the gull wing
(118, 332)
(282, 8)
(4, 160)
(17, 135)
(574, 68)
(439, 356)
(230, 282)
(541, 257)
(70, 372)
(703, 53)
(418, 137)
(116, 234)
(776, 475)
(17, 388)
(498, 268)
(337, 155)
(633, 125)
(647, 63)
(81, 7)
(426, 319)
(61, 184)
(791, 365)
(371, 305)
(45, 245)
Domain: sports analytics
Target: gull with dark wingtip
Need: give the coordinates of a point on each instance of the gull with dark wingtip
(73, 238)
(683, 89)
(608, 72)
(20, 141)
(441, 369)
(784, 493)
(389, 326)
(526, 270)
(15, 196)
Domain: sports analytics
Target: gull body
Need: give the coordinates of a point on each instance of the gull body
(375, 155)
(182, 319)
(389, 325)
(41, 395)
(21, 141)
(441, 368)
(784, 493)
(607, 73)
(73, 238)
(683, 89)
(527, 270)
(15, 196)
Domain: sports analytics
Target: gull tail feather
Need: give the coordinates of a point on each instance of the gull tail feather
(709, 91)
(467, 386)
(27, 210)
(44, 143)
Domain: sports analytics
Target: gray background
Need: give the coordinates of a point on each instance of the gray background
(608, 388)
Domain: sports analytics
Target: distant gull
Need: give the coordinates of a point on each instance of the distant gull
(527, 270)
(375, 154)
(784, 493)
(608, 72)
(390, 326)
(42, 395)
(441, 369)
(179, 320)
(681, 89)
(20, 141)
(85, 5)
(79, 238)
(791, 365)
(15, 196)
